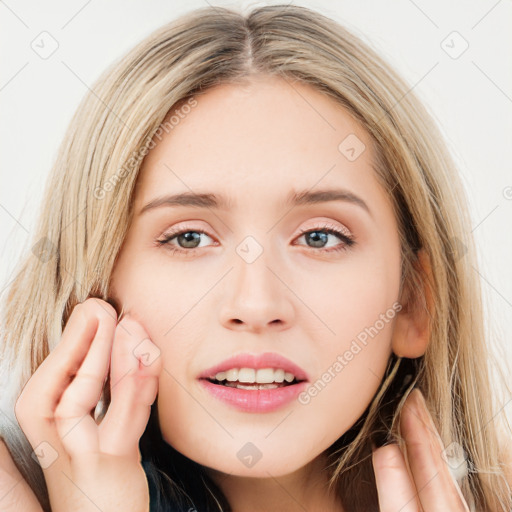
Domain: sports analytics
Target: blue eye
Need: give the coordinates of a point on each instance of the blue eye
(320, 236)
(189, 239)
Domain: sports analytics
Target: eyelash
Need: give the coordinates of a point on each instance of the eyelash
(348, 241)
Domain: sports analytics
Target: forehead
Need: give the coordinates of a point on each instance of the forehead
(264, 137)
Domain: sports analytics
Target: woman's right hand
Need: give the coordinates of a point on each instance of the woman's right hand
(89, 466)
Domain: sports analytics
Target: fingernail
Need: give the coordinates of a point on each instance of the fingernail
(422, 408)
(442, 454)
(426, 417)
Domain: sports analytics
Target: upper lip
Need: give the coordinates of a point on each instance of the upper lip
(248, 360)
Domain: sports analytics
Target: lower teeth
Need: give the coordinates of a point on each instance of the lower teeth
(252, 386)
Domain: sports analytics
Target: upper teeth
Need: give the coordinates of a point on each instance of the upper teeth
(261, 376)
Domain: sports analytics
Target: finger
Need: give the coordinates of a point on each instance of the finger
(55, 372)
(36, 404)
(436, 486)
(35, 407)
(135, 369)
(15, 493)
(395, 489)
(75, 424)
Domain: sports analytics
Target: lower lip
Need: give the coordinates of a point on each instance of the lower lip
(257, 400)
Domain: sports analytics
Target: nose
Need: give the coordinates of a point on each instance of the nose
(255, 297)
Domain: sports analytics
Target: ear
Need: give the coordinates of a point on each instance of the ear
(412, 330)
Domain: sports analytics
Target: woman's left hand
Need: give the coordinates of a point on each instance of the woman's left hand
(428, 486)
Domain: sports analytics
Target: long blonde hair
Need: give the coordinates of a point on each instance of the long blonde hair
(87, 208)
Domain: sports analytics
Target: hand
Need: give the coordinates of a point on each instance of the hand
(91, 467)
(15, 493)
(428, 486)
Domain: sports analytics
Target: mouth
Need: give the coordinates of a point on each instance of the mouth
(266, 368)
(254, 397)
(255, 384)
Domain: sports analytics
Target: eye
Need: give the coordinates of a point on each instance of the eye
(189, 239)
(186, 239)
(319, 237)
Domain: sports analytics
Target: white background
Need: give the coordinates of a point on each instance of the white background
(470, 98)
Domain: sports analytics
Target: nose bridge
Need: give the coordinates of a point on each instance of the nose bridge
(254, 258)
(255, 296)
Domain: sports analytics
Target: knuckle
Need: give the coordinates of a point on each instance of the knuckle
(19, 410)
(60, 414)
(102, 308)
(390, 458)
(98, 308)
(26, 411)
(64, 411)
(21, 407)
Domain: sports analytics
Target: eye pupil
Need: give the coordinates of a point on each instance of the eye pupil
(190, 237)
(317, 237)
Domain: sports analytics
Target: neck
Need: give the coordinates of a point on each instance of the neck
(304, 489)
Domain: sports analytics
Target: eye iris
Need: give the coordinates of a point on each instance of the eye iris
(190, 237)
(317, 237)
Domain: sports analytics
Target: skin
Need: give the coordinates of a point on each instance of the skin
(287, 138)
(88, 466)
(201, 318)
(195, 310)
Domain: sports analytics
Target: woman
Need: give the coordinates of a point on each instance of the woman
(260, 135)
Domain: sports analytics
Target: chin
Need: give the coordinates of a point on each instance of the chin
(261, 469)
(252, 453)
(246, 460)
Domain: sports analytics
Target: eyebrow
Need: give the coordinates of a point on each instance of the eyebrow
(213, 201)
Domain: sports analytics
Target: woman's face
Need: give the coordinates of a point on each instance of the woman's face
(254, 283)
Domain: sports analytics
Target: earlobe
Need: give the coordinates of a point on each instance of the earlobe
(412, 330)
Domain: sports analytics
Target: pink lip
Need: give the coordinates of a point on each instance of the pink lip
(258, 401)
(265, 360)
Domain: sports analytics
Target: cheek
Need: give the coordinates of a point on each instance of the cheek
(344, 304)
(359, 307)
(174, 407)
(352, 371)
(163, 296)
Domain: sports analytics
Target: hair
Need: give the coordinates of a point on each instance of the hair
(87, 209)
